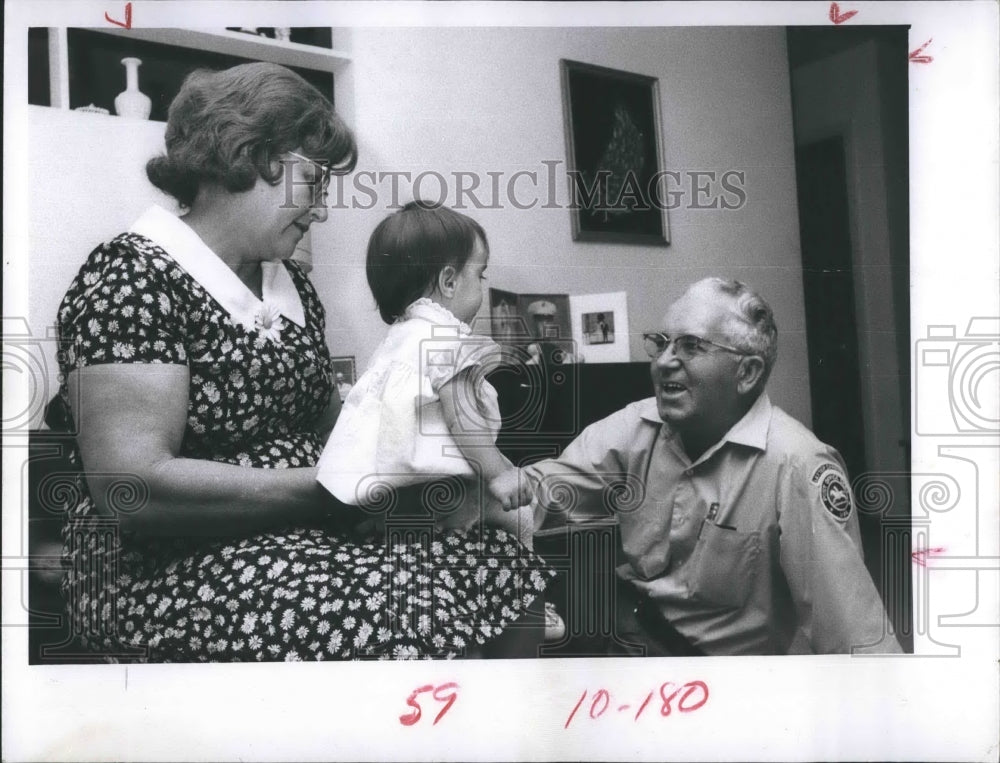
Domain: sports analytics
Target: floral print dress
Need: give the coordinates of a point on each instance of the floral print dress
(260, 375)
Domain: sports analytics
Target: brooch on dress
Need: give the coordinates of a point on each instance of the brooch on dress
(268, 323)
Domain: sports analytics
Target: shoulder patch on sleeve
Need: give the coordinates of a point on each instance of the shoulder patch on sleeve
(834, 490)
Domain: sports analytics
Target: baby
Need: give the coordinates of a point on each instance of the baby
(423, 410)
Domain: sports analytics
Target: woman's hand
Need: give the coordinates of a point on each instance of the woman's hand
(512, 489)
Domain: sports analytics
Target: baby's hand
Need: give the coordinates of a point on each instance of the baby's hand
(512, 488)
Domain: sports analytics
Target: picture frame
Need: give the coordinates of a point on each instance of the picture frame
(600, 326)
(346, 366)
(613, 155)
(521, 318)
(532, 324)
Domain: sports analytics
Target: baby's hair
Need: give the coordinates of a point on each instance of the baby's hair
(409, 248)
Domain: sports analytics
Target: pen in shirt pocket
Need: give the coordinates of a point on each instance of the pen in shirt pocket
(713, 512)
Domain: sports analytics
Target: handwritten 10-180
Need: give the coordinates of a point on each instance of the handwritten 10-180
(689, 697)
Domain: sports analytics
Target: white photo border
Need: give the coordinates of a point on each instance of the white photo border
(940, 703)
(616, 302)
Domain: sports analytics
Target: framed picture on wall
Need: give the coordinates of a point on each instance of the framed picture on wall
(344, 374)
(613, 155)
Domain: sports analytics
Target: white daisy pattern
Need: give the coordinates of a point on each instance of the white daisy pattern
(269, 323)
(297, 593)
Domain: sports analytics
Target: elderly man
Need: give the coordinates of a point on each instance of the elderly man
(739, 531)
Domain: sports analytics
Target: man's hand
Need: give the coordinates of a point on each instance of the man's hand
(512, 488)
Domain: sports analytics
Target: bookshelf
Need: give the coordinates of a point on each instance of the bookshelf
(83, 68)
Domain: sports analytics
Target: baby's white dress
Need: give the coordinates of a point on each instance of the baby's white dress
(391, 432)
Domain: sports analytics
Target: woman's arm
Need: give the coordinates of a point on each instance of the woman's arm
(460, 406)
(327, 419)
(131, 420)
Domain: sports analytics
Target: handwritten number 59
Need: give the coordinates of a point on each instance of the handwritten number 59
(444, 693)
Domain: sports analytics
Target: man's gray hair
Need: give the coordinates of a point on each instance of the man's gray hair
(756, 330)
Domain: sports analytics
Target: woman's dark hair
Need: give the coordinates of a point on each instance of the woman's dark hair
(408, 249)
(228, 127)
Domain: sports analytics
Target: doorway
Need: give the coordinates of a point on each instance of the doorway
(828, 279)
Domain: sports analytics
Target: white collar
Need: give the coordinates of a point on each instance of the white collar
(187, 249)
(751, 430)
(429, 310)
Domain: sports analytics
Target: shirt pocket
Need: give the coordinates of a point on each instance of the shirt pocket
(723, 567)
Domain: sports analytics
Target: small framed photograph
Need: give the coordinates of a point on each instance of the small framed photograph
(523, 318)
(537, 325)
(507, 325)
(546, 315)
(613, 155)
(600, 326)
(344, 374)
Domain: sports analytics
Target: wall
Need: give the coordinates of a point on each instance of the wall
(87, 183)
(489, 100)
(481, 100)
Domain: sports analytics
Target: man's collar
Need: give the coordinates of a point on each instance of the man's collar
(751, 430)
(187, 249)
(649, 412)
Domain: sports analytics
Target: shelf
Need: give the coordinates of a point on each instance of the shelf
(84, 64)
(240, 44)
(74, 81)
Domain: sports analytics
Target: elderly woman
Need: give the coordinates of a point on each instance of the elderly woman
(197, 373)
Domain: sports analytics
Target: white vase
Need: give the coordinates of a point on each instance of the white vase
(131, 102)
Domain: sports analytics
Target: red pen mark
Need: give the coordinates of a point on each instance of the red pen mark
(689, 696)
(448, 699)
(692, 687)
(439, 694)
(921, 556)
(414, 715)
(128, 17)
(643, 705)
(601, 696)
(916, 58)
(665, 707)
(575, 708)
(839, 18)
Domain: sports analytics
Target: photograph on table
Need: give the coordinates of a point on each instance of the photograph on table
(536, 327)
(547, 315)
(344, 374)
(600, 326)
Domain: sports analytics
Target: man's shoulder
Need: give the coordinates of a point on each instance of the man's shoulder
(638, 412)
(626, 421)
(813, 469)
(793, 443)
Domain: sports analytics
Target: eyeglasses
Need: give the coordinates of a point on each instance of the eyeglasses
(322, 180)
(686, 346)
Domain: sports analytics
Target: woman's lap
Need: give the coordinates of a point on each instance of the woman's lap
(311, 595)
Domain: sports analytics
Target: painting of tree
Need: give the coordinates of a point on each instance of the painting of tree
(613, 155)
